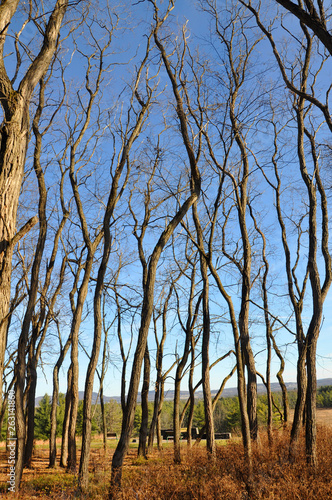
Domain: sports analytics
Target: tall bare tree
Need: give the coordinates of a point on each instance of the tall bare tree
(15, 133)
(14, 136)
(301, 81)
(148, 297)
(188, 328)
(133, 129)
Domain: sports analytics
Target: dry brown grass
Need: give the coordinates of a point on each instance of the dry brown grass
(197, 477)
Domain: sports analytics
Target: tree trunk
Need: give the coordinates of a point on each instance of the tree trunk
(65, 427)
(148, 293)
(282, 384)
(55, 397)
(32, 375)
(142, 449)
(160, 407)
(300, 401)
(176, 415)
(103, 418)
(209, 424)
(191, 392)
(14, 137)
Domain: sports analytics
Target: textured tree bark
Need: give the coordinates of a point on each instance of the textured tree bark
(14, 143)
(14, 138)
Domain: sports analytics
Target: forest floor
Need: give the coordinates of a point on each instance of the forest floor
(197, 477)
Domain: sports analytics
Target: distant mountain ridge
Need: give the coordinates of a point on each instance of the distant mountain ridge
(227, 393)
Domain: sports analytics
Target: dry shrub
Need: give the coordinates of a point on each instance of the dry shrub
(198, 477)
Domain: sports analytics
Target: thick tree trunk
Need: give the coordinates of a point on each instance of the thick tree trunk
(14, 137)
(14, 142)
(300, 401)
(311, 402)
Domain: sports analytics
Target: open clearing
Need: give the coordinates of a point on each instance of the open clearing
(158, 478)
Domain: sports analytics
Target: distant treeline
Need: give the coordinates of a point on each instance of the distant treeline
(226, 415)
(324, 397)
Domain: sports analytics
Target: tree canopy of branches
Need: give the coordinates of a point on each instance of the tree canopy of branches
(165, 192)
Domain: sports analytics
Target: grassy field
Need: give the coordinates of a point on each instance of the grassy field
(195, 478)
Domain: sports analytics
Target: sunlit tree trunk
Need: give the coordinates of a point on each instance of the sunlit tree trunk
(14, 138)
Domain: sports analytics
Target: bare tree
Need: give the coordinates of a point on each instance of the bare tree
(188, 327)
(160, 376)
(133, 130)
(55, 395)
(315, 20)
(14, 136)
(148, 298)
(40, 319)
(306, 98)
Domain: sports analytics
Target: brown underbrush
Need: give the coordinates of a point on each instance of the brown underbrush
(274, 477)
(198, 477)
